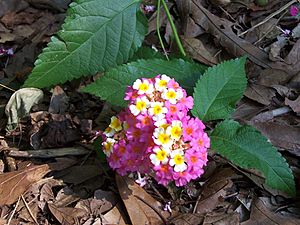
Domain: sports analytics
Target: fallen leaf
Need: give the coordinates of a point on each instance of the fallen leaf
(66, 215)
(113, 217)
(222, 219)
(222, 30)
(270, 77)
(14, 184)
(295, 105)
(141, 207)
(214, 191)
(59, 102)
(199, 51)
(261, 215)
(187, 219)
(19, 105)
(260, 93)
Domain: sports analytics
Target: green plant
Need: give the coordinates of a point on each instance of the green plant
(102, 35)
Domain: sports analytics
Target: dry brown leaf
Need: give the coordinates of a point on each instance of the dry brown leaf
(187, 219)
(260, 94)
(214, 191)
(113, 217)
(270, 77)
(66, 215)
(295, 105)
(141, 207)
(221, 29)
(14, 184)
(281, 135)
(261, 215)
(216, 218)
(197, 50)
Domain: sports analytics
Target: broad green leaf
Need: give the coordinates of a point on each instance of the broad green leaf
(146, 53)
(218, 90)
(112, 85)
(96, 35)
(247, 148)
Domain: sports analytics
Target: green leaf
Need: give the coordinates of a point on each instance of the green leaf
(247, 148)
(218, 90)
(112, 85)
(96, 35)
(146, 53)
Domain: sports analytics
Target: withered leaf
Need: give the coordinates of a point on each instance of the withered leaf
(14, 184)
(187, 219)
(260, 214)
(295, 105)
(141, 207)
(214, 190)
(260, 94)
(66, 215)
(114, 217)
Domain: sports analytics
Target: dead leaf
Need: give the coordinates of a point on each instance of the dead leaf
(216, 218)
(141, 207)
(260, 94)
(214, 191)
(295, 105)
(14, 184)
(66, 215)
(270, 77)
(114, 216)
(222, 30)
(261, 215)
(197, 50)
(59, 102)
(187, 219)
(19, 105)
(281, 135)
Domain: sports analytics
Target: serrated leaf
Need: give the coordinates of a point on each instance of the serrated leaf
(112, 85)
(247, 148)
(146, 53)
(96, 35)
(218, 90)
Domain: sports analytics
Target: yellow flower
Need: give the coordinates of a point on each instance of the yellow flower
(175, 130)
(115, 124)
(177, 160)
(160, 156)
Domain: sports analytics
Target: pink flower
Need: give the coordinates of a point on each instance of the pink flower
(201, 143)
(294, 10)
(182, 178)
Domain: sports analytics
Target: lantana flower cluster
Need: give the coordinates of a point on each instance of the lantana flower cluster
(155, 134)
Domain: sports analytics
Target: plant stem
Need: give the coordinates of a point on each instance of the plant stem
(173, 27)
(158, 31)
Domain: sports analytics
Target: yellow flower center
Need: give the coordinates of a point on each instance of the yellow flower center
(161, 155)
(143, 87)
(176, 132)
(115, 124)
(163, 138)
(140, 105)
(157, 110)
(107, 146)
(162, 83)
(171, 94)
(178, 159)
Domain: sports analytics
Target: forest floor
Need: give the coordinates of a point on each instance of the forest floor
(50, 172)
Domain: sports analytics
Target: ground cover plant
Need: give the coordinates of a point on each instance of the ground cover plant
(173, 113)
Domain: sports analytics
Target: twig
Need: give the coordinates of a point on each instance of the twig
(173, 27)
(13, 212)
(4, 86)
(158, 30)
(269, 17)
(30, 213)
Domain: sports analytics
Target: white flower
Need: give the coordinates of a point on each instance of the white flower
(162, 82)
(177, 160)
(172, 96)
(175, 130)
(157, 110)
(160, 156)
(141, 105)
(109, 132)
(143, 87)
(161, 138)
(115, 124)
(108, 146)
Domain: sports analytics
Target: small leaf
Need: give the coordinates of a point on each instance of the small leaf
(218, 90)
(112, 85)
(14, 184)
(247, 148)
(96, 35)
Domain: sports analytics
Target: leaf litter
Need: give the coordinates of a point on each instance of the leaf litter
(62, 181)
